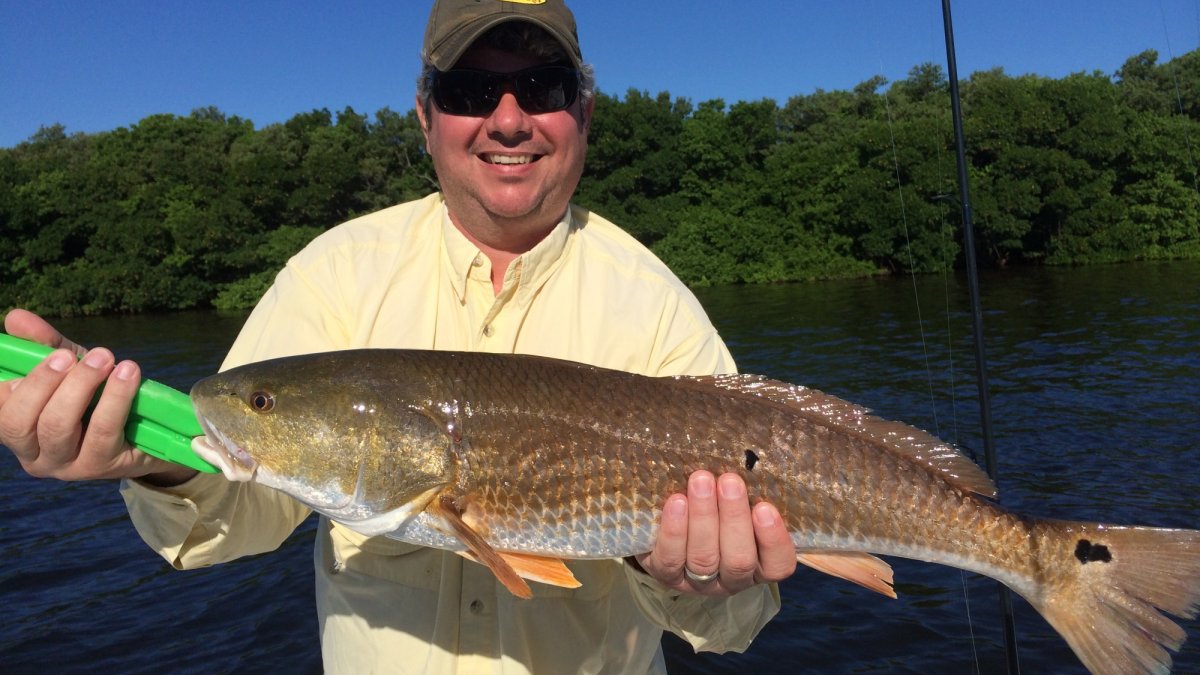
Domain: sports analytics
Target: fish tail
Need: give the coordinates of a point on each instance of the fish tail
(1109, 596)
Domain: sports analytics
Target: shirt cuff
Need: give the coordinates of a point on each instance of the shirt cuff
(708, 624)
(165, 517)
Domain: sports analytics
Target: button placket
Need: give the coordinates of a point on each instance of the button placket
(493, 325)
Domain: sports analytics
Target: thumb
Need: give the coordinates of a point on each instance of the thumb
(25, 324)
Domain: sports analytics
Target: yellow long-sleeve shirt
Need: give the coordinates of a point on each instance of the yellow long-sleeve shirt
(405, 277)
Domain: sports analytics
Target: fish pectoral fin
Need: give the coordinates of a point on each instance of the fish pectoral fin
(552, 571)
(863, 569)
(443, 507)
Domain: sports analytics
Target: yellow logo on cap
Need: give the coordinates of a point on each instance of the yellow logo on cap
(526, 2)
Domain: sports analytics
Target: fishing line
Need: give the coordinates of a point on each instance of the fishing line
(929, 378)
(939, 147)
(912, 274)
(1012, 661)
(1174, 70)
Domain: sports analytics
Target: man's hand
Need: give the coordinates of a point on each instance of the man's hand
(711, 542)
(41, 414)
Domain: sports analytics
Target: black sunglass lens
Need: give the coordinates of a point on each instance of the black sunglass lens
(466, 92)
(477, 92)
(547, 89)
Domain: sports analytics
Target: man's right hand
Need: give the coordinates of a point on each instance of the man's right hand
(41, 414)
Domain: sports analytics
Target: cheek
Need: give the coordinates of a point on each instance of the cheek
(449, 134)
(573, 145)
(565, 129)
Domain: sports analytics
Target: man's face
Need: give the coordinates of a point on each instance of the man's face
(508, 168)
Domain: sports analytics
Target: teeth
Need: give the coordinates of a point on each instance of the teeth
(510, 159)
(233, 461)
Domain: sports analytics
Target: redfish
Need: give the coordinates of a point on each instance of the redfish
(519, 462)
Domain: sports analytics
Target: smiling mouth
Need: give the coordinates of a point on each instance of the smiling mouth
(496, 158)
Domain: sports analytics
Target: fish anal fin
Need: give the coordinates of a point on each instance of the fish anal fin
(861, 568)
(444, 508)
(552, 571)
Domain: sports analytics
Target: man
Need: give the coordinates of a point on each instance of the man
(498, 261)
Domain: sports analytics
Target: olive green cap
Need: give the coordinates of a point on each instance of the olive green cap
(455, 24)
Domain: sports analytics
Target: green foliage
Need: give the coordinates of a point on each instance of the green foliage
(276, 247)
(203, 210)
(182, 212)
(634, 164)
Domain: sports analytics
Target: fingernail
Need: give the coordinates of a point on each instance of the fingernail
(676, 508)
(126, 370)
(731, 488)
(97, 358)
(764, 516)
(702, 485)
(60, 360)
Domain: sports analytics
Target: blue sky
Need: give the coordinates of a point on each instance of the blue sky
(94, 66)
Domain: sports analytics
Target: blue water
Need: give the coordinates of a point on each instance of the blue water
(1096, 408)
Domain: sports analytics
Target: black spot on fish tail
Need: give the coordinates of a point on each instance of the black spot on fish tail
(1088, 552)
(751, 460)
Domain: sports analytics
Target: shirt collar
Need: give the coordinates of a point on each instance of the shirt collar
(535, 265)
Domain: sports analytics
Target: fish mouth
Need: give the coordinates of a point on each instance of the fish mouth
(222, 452)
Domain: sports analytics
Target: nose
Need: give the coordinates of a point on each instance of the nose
(508, 121)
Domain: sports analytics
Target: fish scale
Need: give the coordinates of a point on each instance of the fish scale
(498, 455)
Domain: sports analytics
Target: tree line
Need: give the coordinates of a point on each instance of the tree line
(179, 212)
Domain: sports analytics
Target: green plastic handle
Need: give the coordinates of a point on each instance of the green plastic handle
(161, 419)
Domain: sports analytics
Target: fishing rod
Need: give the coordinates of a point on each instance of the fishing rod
(981, 379)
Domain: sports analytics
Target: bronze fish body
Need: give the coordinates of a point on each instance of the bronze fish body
(521, 461)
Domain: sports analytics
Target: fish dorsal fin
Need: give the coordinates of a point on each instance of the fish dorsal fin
(909, 442)
(863, 569)
(444, 509)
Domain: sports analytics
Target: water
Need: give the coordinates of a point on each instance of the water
(1095, 393)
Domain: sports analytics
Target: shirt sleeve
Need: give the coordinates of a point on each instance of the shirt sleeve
(210, 520)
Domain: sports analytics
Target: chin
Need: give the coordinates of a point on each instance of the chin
(513, 209)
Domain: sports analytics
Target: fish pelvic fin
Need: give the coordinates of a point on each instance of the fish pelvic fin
(861, 568)
(1111, 611)
(445, 509)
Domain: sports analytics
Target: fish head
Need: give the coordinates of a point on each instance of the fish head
(327, 429)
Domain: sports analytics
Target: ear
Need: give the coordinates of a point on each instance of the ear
(585, 112)
(422, 118)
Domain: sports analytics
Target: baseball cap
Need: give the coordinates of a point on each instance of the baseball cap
(455, 24)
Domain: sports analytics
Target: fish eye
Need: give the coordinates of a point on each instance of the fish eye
(262, 401)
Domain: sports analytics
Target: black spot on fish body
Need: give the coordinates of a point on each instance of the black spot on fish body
(751, 460)
(1088, 552)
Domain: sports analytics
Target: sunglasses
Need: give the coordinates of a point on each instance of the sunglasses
(476, 93)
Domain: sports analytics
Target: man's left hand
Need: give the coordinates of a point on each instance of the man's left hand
(711, 542)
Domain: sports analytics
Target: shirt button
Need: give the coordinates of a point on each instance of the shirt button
(488, 330)
(476, 606)
(478, 260)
